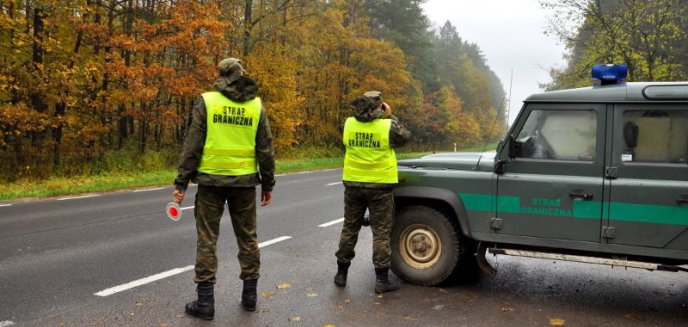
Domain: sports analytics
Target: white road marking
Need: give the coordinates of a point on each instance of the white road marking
(187, 208)
(337, 183)
(273, 241)
(330, 223)
(79, 197)
(4, 205)
(148, 189)
(143, 281)
(156, 277)
(307, 172)
(6, 323)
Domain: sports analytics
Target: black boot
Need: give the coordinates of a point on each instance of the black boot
(340, 277)
(248, 295)
(382, 283)
(204, 307)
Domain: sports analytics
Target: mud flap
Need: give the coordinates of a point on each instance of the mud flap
(482, 262)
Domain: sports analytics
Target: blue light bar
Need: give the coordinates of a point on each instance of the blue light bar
(609, 74)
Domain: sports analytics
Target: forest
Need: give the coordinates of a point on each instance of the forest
(82, 80)
(649, 36)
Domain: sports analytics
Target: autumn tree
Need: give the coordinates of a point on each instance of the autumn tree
(85, 83)
(648, 36)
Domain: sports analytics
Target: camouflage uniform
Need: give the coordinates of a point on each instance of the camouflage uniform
(209, 203)
(215, 190)
(380, 202)
(377, 198)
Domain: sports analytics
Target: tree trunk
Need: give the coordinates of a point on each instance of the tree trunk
(122, 133)
(248, 21)
(143, 126)
(37, 99)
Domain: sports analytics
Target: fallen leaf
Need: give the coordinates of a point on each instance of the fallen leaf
(347, 301)
(312, 294)
(438, 307)
(284, 286)
(329, 326)
(297, 318)
(443, 291)
(165, 325)
(409, 318)
(630, 316)
(139, 303)
(507, 309)
(267, 294)
(557, 322)
(379, 296)
(377, 303)
(180, 316)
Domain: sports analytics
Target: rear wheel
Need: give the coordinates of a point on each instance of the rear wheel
(427, 248)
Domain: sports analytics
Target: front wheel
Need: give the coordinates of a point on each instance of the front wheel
(426, 247)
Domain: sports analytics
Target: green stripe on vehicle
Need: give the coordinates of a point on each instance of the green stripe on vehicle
(587, 209)
(510, 204)
(477, 202)
(649, 213)
(619, 211)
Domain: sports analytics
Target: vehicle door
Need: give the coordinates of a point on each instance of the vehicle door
(649, 176)
(553, 186)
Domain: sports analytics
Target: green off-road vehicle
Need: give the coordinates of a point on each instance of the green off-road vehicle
(596, 175)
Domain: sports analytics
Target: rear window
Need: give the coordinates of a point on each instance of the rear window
(655, 136)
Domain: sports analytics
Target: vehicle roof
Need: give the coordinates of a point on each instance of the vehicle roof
(627, 92)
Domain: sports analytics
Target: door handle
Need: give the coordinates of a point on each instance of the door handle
(682, 199)
(578, 194)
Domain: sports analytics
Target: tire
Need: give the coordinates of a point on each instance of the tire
(426, 247)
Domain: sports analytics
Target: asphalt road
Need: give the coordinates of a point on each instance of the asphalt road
(57, 254)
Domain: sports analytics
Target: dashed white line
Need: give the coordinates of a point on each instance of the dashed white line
(142, 281)
(187, 208)
(79, 197)
(337, 183)
(169, 273)
(4, 205)
(273, 241)
(148, 189)
(330, 223)
(6, 323)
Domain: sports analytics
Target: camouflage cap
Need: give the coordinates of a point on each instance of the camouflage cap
(230, 66)
(374, 99)
(377, 95)
(368, 103)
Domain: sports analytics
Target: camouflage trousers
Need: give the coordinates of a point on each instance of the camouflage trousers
(380, 204)
(210, 202)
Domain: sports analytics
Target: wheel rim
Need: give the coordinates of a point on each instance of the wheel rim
(420, 246)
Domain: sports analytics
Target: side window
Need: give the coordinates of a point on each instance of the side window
(655, 136)
(558, 135)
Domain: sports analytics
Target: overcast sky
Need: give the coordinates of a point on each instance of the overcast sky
(510, 34)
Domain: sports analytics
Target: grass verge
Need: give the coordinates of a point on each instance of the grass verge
(103, 182)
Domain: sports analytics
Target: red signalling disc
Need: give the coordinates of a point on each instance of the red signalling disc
(173, 211)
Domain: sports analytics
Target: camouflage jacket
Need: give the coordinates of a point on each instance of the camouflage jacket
(398, 136)
(240, 90)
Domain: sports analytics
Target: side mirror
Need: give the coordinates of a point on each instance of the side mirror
(507, 149)
(512, 147)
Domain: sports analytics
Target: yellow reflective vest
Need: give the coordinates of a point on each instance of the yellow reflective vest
(230, 141)
(369, 158)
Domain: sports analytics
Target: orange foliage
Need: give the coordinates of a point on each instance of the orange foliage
(102, 76)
